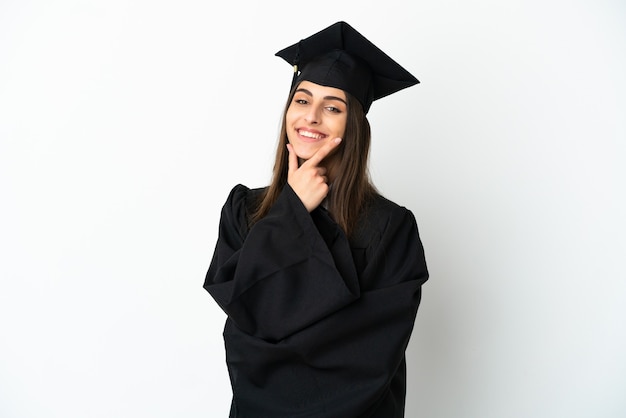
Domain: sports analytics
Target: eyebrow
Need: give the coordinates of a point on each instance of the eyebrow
(305, 91)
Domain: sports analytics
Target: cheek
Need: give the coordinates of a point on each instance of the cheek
(291, 116)
(341, 128)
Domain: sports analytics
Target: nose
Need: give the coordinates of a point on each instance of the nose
(312, 116)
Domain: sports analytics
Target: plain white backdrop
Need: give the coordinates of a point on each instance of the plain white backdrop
(124, 124)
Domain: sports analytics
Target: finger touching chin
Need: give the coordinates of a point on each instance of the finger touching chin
(305, 151)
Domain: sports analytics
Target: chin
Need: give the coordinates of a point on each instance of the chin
(305, 153)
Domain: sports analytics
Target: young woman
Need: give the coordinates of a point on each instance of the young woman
(320, 275)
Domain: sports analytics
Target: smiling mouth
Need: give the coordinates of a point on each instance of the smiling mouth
(311, 135)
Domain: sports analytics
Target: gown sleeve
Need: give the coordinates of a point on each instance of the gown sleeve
(280, 276)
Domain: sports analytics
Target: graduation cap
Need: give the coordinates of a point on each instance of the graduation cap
(341, 57)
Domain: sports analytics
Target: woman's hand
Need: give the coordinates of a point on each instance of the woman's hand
(309, 180)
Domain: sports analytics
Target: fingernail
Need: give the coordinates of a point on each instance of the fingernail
(337, 140)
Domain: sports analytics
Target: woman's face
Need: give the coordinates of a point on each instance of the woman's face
(316, 115)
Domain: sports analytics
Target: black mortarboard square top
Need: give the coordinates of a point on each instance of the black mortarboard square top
(341, 57)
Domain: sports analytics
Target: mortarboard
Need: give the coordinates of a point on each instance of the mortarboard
(341, 57)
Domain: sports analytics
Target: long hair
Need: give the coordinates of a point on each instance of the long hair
(352, 186)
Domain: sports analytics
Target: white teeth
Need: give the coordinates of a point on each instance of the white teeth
(310, 135)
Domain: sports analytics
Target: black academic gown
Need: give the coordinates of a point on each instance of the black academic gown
(317, 324)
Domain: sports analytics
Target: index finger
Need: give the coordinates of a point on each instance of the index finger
(323, 152)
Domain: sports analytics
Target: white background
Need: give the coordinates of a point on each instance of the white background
(124, 124)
